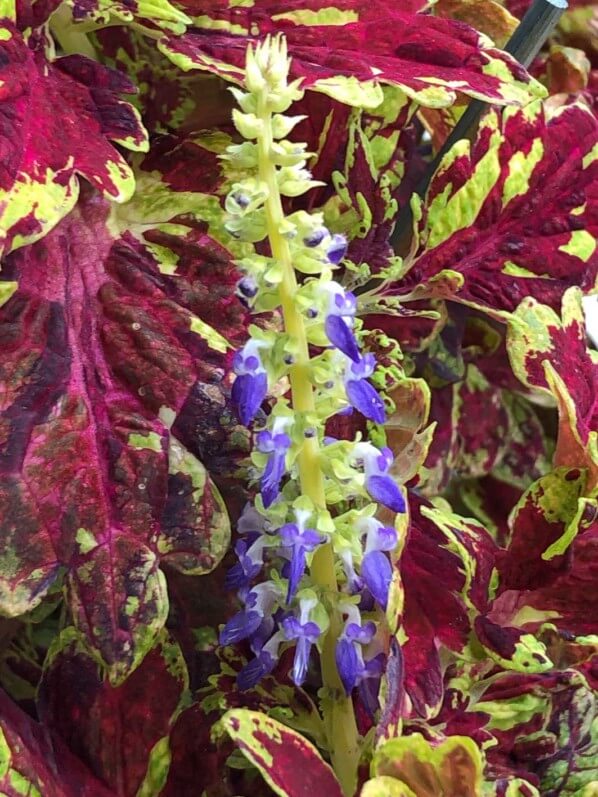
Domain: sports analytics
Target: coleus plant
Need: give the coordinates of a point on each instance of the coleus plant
(284, 511)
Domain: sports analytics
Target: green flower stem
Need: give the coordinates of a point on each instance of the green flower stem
(339, 717)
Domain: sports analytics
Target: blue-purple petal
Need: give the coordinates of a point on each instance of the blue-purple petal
(255, 670)
(368, 695)
(292, 627)
(361, 633)
(376, 571)
(341, 336)
(236, 578)
(296, 572)
(240, 627)
(301, 661)
(248, 393)
(347, 664)
(273, 473)
(337, 249)
(385, 490)
(365, 399)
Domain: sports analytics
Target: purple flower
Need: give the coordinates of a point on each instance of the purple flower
(276, 443)
(259, 602)
(306, 634)
(381, 486)
(376, 571)
(241, 626)
(253, 672)
(378, 537)
(259, 638)
(369, 683)
(338, 323)
(354, 582)
(337, 249)
(246, 290)
(315, 238)
(363, 634)
(250, 555)
(262, 665)
(300, 541)
(362, 396)
(251, 520)
(347, 663)
(251, 385)
(348, 655)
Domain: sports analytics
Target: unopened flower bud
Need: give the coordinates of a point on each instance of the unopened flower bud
(247, 287)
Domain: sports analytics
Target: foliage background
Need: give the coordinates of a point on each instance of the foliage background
(123, 466)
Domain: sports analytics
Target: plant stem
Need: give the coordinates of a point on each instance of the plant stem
(339, 717)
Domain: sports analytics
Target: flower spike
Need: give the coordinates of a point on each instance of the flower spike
(296, 527)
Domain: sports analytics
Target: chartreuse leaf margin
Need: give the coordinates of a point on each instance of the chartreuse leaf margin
(283, 510)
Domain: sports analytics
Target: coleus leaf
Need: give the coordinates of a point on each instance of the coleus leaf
(121, 733)
(550, 354)
(151, 13)
(199, 765)
(406, 428)
(118, 342)
(428, 58)
(566, 600)
(168, 99)
(543, 524)
(34, 763)
(482, 429)
(290, 764)
(45, 151)
(452, 768)
(472, 430)
(515, 215)
(487, 16)
(274, 696)
(441, 579)
(545, 727)
(446, 570)
(566, 71)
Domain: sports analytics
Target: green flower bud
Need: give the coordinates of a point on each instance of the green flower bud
(248, 124)
(247, 101)
(282, 125)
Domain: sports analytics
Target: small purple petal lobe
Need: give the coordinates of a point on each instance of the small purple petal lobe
(337, 249)
(341, 336)
(383, 538)
(364, 398)
(248, 393)
(291, 627)
(376, 571)
(384, 490)
(361, 633)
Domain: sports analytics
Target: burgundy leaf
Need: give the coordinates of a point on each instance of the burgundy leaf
(43, 151)
(335, 47)
(99, 356)
(33, 762)
(517, 232)
(119, 732)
